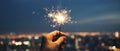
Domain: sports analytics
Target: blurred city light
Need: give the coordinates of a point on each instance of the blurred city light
(13, 41)
(29, 37)
(26, 43)
(72, 36)
(18, 43)
(114, 47)
(117, 34)
(1, 42)
(36, 37)
(27, 50)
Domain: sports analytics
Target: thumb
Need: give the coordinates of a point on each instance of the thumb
(60, 40)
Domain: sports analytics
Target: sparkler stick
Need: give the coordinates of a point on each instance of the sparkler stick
(59, 28)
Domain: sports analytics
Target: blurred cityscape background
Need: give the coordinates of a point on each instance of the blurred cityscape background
(97, 20)
(76, 41)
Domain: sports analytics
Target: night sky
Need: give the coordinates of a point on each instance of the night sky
(29, 15)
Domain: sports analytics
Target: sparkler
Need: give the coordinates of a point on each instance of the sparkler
(59, 17)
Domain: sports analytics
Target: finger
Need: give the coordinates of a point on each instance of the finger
(60, 40)
(57, 36)
(50, 35)
(54, 33)
(62, 34)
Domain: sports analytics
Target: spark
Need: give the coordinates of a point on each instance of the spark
(60, 17)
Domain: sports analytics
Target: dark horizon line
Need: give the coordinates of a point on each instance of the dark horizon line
(51, 31)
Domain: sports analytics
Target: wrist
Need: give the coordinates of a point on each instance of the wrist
(47, 48)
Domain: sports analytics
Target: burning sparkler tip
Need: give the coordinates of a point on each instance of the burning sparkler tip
(59, 16)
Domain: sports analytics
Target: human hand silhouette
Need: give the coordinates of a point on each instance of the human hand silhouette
(53, 41)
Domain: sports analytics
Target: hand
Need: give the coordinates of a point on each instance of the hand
(53, 41)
